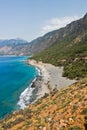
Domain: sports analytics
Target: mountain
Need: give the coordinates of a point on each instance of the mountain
(68, 48)
(65, 109)
(12, 41)
(73, 32)
(12, 46)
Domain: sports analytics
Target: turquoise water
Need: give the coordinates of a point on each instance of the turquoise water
(15, 76)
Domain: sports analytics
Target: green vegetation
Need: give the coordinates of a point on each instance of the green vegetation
(75, 69)
(68, 53)
(75, 128)
(84, 111)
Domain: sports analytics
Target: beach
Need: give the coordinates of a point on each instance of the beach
(50, 77)
(42, 80)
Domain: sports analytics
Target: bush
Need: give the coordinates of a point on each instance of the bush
(75, 128)
(75, 69)
(84, 111)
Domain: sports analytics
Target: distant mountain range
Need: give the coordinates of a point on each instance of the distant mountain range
(74, 32)
(12, 46)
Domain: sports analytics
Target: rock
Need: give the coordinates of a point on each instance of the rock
(44, 128)
(49, 119)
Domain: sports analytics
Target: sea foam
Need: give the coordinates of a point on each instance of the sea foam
(25, 96)
(27, 93)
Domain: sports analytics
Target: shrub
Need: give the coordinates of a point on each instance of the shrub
(75, 128)
(84, 111)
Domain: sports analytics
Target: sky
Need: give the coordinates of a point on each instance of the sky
(29, 19)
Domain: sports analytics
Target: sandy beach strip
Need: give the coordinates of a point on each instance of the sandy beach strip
(51, 76)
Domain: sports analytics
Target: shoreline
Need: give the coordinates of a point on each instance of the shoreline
(41, 82)
(53, 74)
(36, 89)
(49, 77)
(25, 96)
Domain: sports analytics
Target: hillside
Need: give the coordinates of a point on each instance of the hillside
(73, 32)
(65, 109)
(69, 49)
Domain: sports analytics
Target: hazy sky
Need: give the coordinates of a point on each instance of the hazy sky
(29, 19)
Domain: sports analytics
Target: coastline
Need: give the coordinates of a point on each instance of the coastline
(49, 77)
(37, 88)
(42, 80)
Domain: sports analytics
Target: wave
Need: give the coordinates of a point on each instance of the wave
(39, 71)
(25, 96)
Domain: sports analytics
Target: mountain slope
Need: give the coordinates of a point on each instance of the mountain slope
(73, 30)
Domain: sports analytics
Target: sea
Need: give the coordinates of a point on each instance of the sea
(16, 77)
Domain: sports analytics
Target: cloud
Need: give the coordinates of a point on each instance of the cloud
(56, 23)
